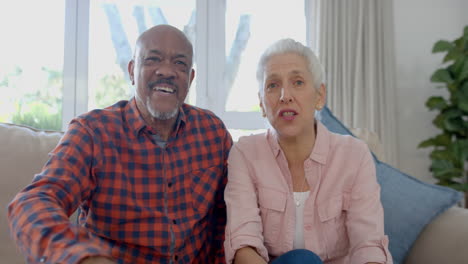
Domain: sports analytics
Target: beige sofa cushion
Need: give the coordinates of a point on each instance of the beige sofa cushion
(23, 152)
(444, 240)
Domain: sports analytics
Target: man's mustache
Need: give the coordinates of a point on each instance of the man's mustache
(168, 81)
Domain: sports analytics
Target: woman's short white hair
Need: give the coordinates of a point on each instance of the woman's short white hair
(288, 45)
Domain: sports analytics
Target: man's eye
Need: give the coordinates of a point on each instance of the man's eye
(179, 62)
(153, 59)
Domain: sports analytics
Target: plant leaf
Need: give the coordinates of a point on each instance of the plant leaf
(439, 121)
(461, 149)
(464, 72)
(457, 67)
(453, 124)
(442, 45)
(462, 187)
(443, 140)
(462, 97)
(441, 155)
(427, 143)
(441, 76)
(441, 164)
(453, 54)
(436, 102)
(452, 112)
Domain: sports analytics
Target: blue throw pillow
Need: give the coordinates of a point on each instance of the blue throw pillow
(409, 204)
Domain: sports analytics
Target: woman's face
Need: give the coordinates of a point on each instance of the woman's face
(289, 96)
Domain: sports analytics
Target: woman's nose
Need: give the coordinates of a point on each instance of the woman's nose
(285, 96)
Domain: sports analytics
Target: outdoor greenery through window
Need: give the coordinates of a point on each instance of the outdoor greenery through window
(31, 62)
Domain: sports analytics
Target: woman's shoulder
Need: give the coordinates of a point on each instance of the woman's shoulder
(340, 140)
(251, 141)
(347, 145)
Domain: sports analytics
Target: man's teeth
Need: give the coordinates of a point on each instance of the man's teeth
(164, 89)
(288, 113)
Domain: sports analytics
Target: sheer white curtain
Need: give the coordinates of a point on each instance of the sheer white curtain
(355, 45)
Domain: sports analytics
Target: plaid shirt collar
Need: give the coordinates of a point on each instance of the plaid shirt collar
(138, 124)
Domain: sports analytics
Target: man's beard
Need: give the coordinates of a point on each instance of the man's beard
(161, 115)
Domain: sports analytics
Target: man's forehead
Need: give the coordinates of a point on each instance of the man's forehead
(164, 47)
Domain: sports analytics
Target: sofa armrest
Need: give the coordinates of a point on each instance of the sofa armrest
(444, 240)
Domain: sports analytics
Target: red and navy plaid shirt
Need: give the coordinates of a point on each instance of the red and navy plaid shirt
(140, 203)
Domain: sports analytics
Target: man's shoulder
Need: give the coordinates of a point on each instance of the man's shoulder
(104, 117)
(113, 111)
(194, 113)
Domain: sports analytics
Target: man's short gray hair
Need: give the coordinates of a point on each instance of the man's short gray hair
(288, 45)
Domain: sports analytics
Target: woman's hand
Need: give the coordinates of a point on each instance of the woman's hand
(248, 255)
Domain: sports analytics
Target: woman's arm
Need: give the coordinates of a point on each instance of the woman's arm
(248, 255)
(365, 219)
(244, 224)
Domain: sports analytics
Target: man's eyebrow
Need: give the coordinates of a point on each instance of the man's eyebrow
(177, 56)
(155, 51)
(180, 55)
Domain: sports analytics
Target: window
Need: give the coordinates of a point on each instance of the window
(114, 27)
(250, 28)
(80, 52)
(31, 63)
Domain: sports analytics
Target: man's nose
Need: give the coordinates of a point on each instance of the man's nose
(165, 69)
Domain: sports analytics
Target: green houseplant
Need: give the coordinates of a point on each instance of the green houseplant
(449, 153)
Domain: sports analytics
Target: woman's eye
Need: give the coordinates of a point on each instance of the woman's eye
(298, 82)
(271, 85)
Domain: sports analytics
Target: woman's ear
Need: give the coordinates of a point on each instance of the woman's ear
(322, 97)
(261, 105)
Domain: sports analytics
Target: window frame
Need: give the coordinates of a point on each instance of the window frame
(210, 46)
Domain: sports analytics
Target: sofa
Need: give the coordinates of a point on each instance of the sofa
(24, 150)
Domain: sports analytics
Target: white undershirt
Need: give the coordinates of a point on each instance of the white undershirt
(299, 197)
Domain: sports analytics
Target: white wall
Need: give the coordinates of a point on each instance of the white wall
(418, 25)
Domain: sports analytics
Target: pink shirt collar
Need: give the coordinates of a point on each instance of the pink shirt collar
(321, 147)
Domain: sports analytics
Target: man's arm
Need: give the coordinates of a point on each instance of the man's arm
(219, 214)
(39, 215)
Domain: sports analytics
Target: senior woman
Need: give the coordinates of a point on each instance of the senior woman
(299, 193)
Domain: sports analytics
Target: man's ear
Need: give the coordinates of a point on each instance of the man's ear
(131, 66)
(192, 76)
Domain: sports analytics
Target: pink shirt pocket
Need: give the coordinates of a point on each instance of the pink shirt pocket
(332, 217)
(272, 205)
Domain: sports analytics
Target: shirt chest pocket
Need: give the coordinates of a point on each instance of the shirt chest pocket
(272, 205)
(203, 187)
(332, 215)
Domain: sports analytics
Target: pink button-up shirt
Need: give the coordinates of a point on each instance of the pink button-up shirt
(343, 216)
